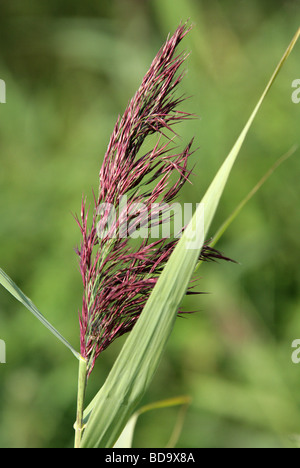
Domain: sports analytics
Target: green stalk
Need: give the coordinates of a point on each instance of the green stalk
(82, 379)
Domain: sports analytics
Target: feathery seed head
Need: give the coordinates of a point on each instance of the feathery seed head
(118, 277)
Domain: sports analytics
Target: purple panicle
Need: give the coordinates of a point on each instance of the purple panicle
(119, 275)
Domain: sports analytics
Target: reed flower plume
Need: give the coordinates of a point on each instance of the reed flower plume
(118, 275)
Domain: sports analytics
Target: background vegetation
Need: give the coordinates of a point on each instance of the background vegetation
(70, 68)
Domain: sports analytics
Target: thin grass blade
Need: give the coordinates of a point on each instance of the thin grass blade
(15, 291)
(213, 194)
(225, 225)
(125, 439)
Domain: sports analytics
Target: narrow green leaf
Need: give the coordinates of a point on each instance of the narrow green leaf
(125, 439)
(13, 289)
(213, 194)
(248, 197)
(136, 364)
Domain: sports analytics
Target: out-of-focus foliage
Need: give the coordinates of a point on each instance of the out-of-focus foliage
(70, 68)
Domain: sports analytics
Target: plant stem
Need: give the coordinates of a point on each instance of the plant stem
(78, 426)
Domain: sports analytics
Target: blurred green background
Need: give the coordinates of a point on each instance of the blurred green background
(70, 68)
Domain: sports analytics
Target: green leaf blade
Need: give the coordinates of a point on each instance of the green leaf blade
(15, 291)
